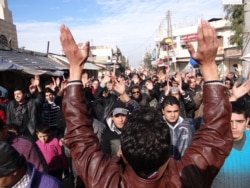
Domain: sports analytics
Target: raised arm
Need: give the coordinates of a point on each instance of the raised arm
(213, 141)
(87, 155)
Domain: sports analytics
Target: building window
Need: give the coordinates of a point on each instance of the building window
(3, 40)
(220, 39)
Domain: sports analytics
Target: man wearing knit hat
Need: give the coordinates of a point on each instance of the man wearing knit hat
(16, 172)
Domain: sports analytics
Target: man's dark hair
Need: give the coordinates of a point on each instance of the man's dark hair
(170, 100)
(135, 87)
(145, 140)
(238, 107)
(48, 90)
(20, 89)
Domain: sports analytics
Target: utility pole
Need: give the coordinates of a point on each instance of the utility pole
(170, 34)
(169, 40)
(246, 40)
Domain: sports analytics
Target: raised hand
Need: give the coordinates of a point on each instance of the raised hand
(85, 79)
(177, 77)
(239, 68)
(57, 81)
(238, 92)
(76, 56)
(166, 89)
(63, 84)
(180, 87)
(35, 84)
(206, 51)
(32, 87)
(36, 80)
(119, 87)
(106, 78)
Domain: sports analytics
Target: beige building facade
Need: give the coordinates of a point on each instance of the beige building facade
(173, 49)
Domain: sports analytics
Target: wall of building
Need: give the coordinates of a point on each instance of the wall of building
(7, 28)
(227, 54)
(9, 31)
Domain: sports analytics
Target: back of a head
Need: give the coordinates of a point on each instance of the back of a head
(145, 140)
(10, 159)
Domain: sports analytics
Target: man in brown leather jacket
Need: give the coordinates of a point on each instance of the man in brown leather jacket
(145, 162)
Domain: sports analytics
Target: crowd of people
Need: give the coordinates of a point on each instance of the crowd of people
(133, 129)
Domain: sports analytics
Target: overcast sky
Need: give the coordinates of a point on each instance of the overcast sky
(132, 25)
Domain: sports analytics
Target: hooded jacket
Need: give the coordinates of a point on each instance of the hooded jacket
(197, 168)
(111, 135)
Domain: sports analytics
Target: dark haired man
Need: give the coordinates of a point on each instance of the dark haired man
(145, 161)
(181, 129)
(51, 111)
(236, 168)
(23, 111)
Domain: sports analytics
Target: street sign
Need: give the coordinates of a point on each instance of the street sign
(232, 2)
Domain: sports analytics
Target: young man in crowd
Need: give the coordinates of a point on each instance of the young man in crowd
(181, 129)
(236, 168)
(23, 111)
(115, 121)
(145, 138)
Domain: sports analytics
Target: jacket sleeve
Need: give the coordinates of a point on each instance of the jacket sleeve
(211, 143)
(89, 160)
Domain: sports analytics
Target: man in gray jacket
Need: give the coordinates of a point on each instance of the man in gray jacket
(181, 129)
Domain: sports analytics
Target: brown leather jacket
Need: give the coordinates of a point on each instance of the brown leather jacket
(197, 168)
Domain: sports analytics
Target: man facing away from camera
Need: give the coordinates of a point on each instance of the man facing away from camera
(145, 138)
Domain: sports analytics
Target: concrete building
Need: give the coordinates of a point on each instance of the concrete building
(107, 57)
(8, 33)
(172, 50)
